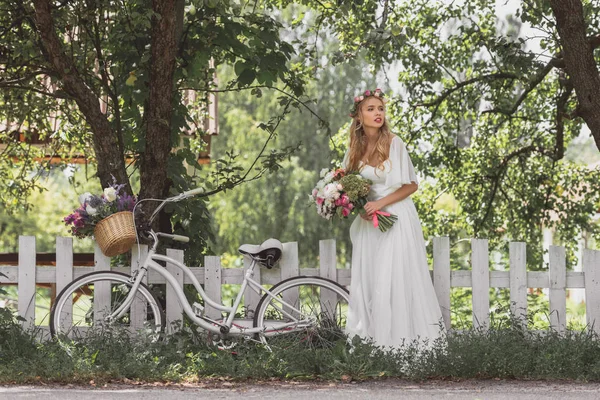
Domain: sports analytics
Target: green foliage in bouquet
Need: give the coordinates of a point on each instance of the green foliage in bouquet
(354, 186)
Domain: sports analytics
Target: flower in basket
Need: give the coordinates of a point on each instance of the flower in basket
(340, 193)
(94, 208)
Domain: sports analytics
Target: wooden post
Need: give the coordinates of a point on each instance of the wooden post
(288, 266)
(558, 280)
(174, 308)
(441, 275)
(591, 275)
(139, 308)
(64, 275)
(251, 298)
(328, 269)
(102, 290)
(518, 281)
(212, 284)
(26, 288)
(481, 283)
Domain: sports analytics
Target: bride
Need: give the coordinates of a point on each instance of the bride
(392, 299)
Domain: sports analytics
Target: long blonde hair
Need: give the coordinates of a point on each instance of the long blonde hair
(358, 144)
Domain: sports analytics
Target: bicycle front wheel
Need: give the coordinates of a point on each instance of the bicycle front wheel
(89, 302)
(310, 310)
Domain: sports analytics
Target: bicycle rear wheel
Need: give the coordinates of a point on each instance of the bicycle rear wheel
(308, 310)
(86, 304)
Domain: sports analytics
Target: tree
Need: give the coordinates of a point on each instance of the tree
(116, 74)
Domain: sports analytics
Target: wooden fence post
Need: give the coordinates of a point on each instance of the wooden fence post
(174, 312)
(481, 283)
(518, 281)
(328, 269)
(64, 274)
(102, 290)
(441, 275)
(139, 308)
(558, 281)
(288, 268)
(26, 288)
(251, 298)
(212, 285)
(591, 275)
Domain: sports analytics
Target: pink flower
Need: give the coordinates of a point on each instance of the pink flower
(356, 99)
(378, 90)
(345, 212)
(320, 200)
(368, 93)
(361, 98)
(339, 173)
(314, 192)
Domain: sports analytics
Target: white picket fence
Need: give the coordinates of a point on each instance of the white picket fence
(557, 279)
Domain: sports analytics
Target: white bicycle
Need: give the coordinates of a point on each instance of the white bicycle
(314, 307)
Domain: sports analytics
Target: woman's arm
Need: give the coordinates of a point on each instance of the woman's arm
(403, 192)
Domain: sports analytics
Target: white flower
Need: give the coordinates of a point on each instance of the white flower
(320, 185)
(330, 190)
(90, 210)
(110, 194)
(84, 197)
(328, 176)
(323, 172)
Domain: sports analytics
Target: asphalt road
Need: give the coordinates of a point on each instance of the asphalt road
(376, 390)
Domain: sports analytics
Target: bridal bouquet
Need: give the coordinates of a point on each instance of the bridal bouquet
(339, 194)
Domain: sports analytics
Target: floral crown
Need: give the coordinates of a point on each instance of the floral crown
(368, 93)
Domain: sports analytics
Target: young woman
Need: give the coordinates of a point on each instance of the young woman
(392, 299)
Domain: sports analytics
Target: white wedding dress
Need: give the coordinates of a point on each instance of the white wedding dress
(392, 299)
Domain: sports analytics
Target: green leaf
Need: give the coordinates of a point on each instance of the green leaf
(247, 77)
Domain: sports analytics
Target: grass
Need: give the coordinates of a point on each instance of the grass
(507, 353)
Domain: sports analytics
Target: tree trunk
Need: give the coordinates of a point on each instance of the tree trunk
(110, 159)
(579, 61)
(154, 161)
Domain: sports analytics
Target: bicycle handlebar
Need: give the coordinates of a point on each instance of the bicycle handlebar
(177, 238)
(193, 192)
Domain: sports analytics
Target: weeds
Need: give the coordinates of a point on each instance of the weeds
(507, 353)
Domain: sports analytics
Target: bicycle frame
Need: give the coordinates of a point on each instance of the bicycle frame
(226, 326)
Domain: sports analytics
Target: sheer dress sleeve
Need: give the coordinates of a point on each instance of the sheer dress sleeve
(402, 170)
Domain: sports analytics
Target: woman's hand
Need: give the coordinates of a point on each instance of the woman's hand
(372, 206)
(365, 216)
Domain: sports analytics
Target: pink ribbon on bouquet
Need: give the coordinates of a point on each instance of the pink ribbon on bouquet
(375, 220)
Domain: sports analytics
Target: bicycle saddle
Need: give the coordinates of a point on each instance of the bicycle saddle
(267, 253)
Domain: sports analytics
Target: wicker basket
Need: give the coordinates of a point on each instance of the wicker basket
(116, 234)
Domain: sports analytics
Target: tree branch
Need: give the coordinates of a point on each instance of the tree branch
(561, 106)
(459, 86)
(110, 161)
(290, 95)
(498, 177)
(532, 85)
